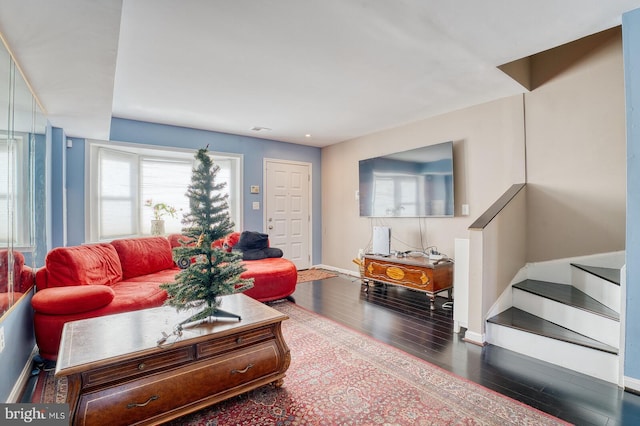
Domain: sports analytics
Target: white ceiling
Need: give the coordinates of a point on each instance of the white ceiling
(335, 69)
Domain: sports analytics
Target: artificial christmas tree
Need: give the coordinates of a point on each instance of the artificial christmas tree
(213, 272)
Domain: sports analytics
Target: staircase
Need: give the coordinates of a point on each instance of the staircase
(575, 325)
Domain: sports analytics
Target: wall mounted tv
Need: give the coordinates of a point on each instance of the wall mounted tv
(414, 183)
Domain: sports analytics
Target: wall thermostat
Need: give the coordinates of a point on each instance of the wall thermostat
(255, 189)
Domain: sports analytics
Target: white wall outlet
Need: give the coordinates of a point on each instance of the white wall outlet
(1, 339)
(465, 210)
(256, 205)
(357, 195)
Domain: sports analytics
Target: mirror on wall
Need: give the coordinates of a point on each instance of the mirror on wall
(22, 185)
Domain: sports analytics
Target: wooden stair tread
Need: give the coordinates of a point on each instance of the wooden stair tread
(568, 295)
(521, 320)
(610, 274)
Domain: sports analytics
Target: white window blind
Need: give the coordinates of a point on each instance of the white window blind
(15, 228)
(165, 181)
(117, 182)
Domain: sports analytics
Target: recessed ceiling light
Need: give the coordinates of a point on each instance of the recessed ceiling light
(308, 135)
(260, 128)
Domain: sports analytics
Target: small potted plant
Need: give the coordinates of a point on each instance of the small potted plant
(160, 210)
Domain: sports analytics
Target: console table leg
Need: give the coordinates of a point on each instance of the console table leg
(432, 300)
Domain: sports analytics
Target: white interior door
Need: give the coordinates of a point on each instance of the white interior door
(287, 209)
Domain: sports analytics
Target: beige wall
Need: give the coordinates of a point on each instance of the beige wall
(575, 162)
(488, 156)
(576, 154)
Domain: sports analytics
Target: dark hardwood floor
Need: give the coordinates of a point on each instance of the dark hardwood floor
(401, 318)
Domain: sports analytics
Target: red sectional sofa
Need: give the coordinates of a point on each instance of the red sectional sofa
(108, 278)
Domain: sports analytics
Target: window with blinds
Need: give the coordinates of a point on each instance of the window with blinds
(124, 178)
(15, 223)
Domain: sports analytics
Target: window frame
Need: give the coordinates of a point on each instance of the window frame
(19, 192)
(149, 152)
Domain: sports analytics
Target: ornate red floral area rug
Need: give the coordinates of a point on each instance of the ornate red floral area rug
(341, 377)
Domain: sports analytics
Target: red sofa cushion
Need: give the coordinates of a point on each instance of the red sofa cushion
(72, 299)
(231, 240)
(142, 256)
(134, 295)
(273, 278)
(176, 240)
(128, 296)
(81, 265)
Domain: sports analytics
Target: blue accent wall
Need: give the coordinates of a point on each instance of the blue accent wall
(36, 254)
(40, 199)
(48, 185)
(19, 342)
(631, 54)
(254, 152)
(75, 192)
(58, 185)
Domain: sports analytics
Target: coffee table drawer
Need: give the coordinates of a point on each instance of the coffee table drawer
(225, 344)
(138, 366)
(159, 394)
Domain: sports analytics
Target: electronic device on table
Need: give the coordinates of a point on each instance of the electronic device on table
(382, 240)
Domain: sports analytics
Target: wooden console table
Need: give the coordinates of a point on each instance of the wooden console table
(417, 273)
(118, 373)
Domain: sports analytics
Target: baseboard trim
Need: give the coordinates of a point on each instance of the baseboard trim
(339, 270)
(632, 385)
(21, 383)
(475, 338)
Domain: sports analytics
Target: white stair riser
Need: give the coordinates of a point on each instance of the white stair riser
(602, 290)
(597, 327)
(601, 365)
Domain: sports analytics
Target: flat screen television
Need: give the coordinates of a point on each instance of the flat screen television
(414, 183)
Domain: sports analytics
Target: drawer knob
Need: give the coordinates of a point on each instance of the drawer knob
(143, 404)
(239, 340)
(244, 370)
(141, 366)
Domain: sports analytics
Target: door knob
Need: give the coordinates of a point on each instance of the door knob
(270, 226)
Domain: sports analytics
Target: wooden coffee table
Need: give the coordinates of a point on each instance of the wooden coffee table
(118, 373)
